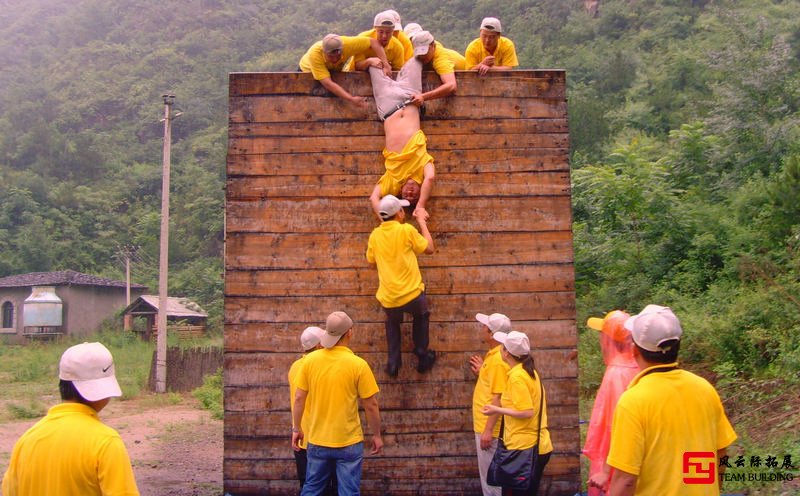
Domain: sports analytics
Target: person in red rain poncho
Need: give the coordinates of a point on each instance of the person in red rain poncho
(616, 346)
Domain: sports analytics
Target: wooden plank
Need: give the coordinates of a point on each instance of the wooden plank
(401, 421)
(251, 251)
(245, 369)
(446, 161)
(470, 184)
(395, 445)
(444, 308)
(265, 398)
(364, 280)
(291, 108)
(444, 336)
(449, 214)
(424, 467)
(493, 126)
(518, 84)
(375, 144)
(440, 486)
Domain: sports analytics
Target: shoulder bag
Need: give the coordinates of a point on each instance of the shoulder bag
(510, 468)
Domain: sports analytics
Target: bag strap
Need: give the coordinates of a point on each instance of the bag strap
(541, 404)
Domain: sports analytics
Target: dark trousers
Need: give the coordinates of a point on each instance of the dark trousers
(536, 477)
(418, 308)
(301, 461)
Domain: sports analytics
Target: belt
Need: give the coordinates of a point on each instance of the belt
(399, 106)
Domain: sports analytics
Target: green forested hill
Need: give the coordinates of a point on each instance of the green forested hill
(684, 131)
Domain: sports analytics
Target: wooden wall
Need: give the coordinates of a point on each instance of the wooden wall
(301, 165)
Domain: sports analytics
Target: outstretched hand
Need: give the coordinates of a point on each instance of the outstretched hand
(417, 100)
(421, 214)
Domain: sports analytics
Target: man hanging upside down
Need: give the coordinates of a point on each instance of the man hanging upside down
(409, 168)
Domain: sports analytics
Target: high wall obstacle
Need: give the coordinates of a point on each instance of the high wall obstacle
(301, 165)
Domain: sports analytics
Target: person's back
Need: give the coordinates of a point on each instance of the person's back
(394, 247)
(666, 419)
(70, 452)
(65, 454)
(673, 413)
(337, 379)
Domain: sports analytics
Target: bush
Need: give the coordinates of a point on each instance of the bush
(210, 394)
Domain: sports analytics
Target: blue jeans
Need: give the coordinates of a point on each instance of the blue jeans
(324, 462)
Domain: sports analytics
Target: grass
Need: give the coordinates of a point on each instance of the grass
(29, 373)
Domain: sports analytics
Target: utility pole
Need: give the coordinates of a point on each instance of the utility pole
(163, 259)
(127, 252)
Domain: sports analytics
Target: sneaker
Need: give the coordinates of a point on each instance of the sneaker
(426, 361)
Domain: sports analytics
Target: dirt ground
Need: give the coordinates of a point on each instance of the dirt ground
(176, 449)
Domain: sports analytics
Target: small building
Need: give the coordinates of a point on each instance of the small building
(183, 316)
(42, 304)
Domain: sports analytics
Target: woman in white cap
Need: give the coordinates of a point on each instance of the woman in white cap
(523, 407)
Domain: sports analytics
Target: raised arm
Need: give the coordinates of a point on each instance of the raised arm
(428, 175)
(423, 229)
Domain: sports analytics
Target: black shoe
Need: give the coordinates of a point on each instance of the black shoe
(426, 361)
(392, 370)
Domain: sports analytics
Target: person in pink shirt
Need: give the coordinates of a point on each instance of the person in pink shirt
(621, 367)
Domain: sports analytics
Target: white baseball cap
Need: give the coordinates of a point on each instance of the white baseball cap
(491, 24)
(411, 29)
(422, 42)
(390, 205)
(653, 326)
(384, 19)
(496, 322)
(515, 342)
(311, 337)
(396, 17)
(90, 368)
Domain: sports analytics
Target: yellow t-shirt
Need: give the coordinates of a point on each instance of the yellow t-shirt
(505, 54)
(408, 47)
(314, 59)
(662, 416)
(491, 380)
(394, 248)
(523, 393)
(293, 371)
(70, 452)
(335, 379)
(447, 61)
(409, 163)
(395, 52)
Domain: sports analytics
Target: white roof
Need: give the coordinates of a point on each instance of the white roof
(176, 306)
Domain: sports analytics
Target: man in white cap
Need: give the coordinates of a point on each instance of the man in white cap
(333, 54)
(401, 35)
(491, 51)
(70, 452)
(443, 61)
(393, 247)
(492, 372)
(670, 429)
(383, 30)
(329, 385)
(309, 341)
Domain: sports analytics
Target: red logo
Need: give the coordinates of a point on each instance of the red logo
(699, 467)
